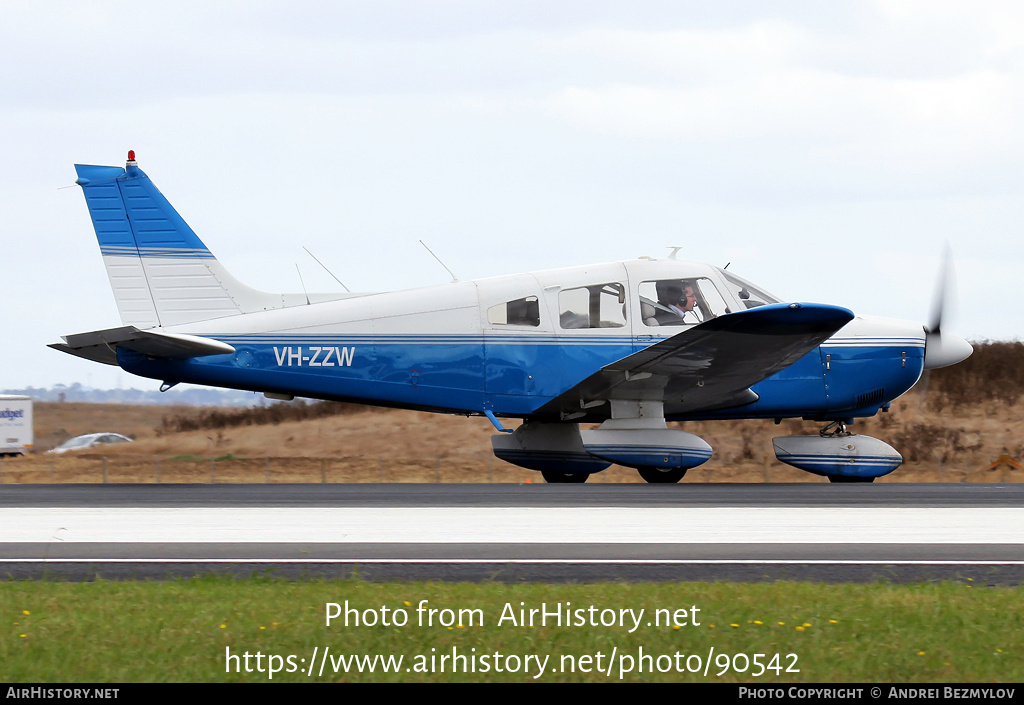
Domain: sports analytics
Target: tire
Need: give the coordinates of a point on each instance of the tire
(845, 478)
(555, 477)
(661, 475)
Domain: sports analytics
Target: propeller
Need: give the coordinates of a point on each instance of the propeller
(944, 348)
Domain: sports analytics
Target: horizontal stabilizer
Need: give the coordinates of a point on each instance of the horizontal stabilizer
(101, 345)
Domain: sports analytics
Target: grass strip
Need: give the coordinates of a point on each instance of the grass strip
(186, 631)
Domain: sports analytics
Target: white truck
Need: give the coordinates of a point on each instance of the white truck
(15, 424)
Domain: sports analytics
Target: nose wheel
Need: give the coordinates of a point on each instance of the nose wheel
(655, 475)
(555, 477)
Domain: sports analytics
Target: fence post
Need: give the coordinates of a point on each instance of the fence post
(158, 471)
(266, 470)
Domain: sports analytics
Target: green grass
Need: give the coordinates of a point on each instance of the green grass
(179, 631)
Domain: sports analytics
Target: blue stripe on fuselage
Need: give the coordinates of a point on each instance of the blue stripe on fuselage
(512, 375)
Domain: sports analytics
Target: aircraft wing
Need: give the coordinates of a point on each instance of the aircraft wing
(101, 345)
(709, 366)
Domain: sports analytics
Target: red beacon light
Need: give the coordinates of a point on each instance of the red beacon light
(131, 155)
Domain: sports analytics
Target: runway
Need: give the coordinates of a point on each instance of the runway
(531, 532)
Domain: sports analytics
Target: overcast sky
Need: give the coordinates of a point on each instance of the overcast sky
(828, 150)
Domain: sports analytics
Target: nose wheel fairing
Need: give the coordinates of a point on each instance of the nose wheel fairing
(841, 455)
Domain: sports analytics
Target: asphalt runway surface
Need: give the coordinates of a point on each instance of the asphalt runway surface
(518, 533)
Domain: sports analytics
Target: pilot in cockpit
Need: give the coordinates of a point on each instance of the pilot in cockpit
(676, 301)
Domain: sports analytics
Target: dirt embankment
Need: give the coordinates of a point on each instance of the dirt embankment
(951, 428)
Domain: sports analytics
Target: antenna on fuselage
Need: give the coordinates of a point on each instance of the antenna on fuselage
(303, 283)
(454, 278)
(327, 270)
(674, 252)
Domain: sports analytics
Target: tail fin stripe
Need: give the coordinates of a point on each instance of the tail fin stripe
(132, 251)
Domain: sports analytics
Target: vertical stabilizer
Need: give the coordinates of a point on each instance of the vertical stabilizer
(161, 272)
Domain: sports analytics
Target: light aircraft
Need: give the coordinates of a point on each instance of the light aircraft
(627, 345)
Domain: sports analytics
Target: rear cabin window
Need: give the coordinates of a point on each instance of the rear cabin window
(521, 312)
(595, 306)
(680, 302)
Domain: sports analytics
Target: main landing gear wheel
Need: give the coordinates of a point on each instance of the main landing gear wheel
(661, 475)
(553, 476)
(843, 478)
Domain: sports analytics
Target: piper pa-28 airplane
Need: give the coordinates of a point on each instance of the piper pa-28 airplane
(627, 345)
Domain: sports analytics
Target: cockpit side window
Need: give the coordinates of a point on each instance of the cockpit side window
(680, 302)
(750, 295)
(520, 312)
(595, 306)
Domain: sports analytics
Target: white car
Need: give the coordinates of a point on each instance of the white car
(90, 440)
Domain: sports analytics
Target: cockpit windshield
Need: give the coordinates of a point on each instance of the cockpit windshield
(750, 295)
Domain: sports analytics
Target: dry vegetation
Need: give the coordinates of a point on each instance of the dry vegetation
(951, 428)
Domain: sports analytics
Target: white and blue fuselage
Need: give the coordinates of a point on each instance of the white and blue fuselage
(434, 349)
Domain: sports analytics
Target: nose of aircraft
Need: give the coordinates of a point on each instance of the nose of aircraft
(944, 349)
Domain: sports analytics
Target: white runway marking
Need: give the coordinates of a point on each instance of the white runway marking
(315, 525)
